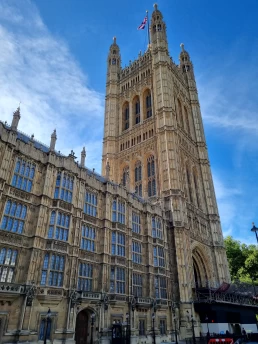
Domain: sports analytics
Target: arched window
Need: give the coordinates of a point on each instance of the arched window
(188, 177)
(157, 231)
(148, 104)
(59, 226)
(52, 273)
(187, 120)
(151, 176)
(126, 120)
(14, 217)
(138, 178)
(196, 186)
(136, 109)
(118, 212)
(85, 277)
(64, 187)
(180, 114)
(125, 175)
(23, 175)
(7, 264)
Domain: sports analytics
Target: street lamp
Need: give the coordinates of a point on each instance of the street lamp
(175, 327)
(207, 321)
(128, 335)
(153, 328)
(192, 321)
(47, 321)
(255, 230)
(92, 325)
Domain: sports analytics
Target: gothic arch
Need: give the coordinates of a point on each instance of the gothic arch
(83, 324)
(125, 116)
(196, 184)
(180, 113)
(186, 120)
(125, 171)
(147, 103)
(151, 175)
(201, 265)
(136, 112)
(138, 177)
(189, 182)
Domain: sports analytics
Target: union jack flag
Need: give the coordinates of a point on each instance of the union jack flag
(144, 22)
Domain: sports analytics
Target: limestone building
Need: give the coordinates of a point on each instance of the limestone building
(82, 253)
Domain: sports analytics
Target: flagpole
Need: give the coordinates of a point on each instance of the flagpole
(148, 26)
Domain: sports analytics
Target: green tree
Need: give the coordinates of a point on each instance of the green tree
(242, 259)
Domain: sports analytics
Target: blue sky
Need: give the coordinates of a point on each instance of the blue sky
(53, 59)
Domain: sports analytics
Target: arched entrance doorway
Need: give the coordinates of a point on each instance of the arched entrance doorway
(200, 270)
(82, 328)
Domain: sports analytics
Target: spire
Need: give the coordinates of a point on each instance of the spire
(185, 62)
(158, 29)
(16, 118)
(83, 157)
(53, 141)
(114, 59)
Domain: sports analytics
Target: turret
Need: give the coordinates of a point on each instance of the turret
(16, 118)
(185, 62)
(158, 30)
(111, 126)
(53, 141)
(114, 61)
(83, 157)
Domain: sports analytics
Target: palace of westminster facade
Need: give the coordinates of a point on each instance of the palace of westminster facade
(123, 246)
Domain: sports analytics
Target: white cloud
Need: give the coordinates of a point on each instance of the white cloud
(38, 69)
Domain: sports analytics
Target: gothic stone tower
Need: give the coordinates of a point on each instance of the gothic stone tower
(154, 144)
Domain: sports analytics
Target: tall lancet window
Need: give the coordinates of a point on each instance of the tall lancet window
(188, 177)
(125, 115)
(187, 121)
(180, 113)
(151, 176)
(125, 175)
(136, 106)
(148, 105)
(196, 186)
(138, 178)
(64, 187)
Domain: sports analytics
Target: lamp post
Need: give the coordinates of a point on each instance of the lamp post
(255, 230)
(153, 328)
(47, 321)
(128, 335)
(92, 325)
(192, 321)
(175, 327)
(207, 322)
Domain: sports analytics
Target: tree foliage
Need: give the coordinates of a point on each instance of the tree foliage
(243, 260)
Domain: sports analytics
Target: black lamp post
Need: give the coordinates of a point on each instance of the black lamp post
(153, 328)
(192, 321)
(175, 327)
(128, 334)
(91, 329)
(47, 321)
(207, 322)
(255, 230)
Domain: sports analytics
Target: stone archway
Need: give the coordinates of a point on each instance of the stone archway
(82, 328)
(201, 268)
